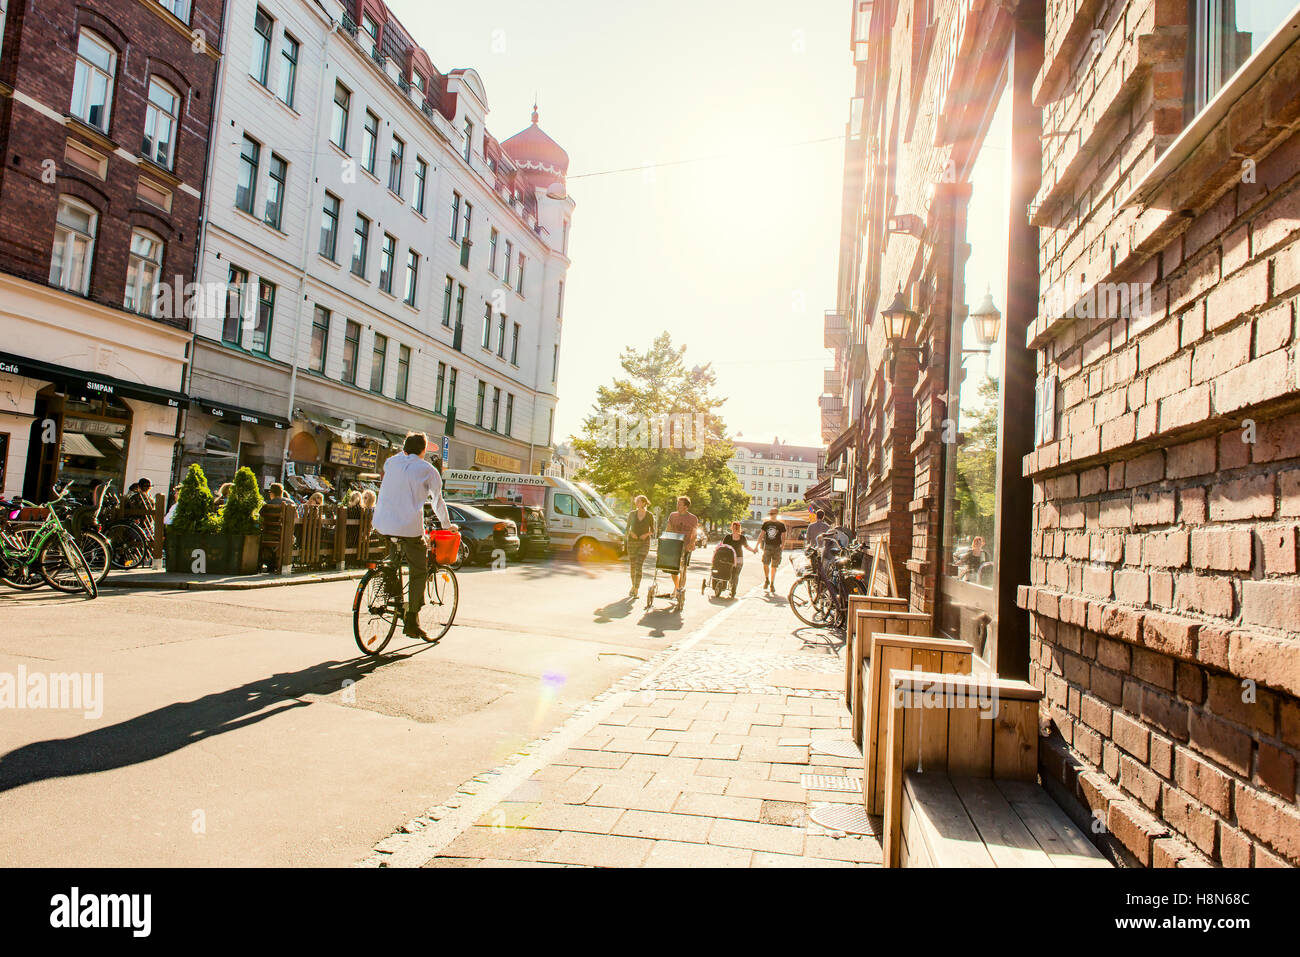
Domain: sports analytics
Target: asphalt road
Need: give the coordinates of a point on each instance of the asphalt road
(243, 728)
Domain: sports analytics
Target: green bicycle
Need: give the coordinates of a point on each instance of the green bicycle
(46, 553)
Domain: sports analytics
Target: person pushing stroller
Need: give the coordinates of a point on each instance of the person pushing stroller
(736, 541)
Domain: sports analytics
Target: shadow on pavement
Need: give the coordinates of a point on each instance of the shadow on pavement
(175, 726)
(619, 609)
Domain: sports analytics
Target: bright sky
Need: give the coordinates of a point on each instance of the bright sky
(735, 257)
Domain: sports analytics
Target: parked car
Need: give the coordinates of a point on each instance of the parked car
(530, 520)
(482, 534)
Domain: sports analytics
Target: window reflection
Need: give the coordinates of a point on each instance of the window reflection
(1223, 35)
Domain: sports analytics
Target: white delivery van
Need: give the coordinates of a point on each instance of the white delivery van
(602, 506)
(573, 521)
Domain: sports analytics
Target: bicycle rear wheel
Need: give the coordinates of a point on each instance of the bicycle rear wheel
(98, 553)
(21, 573)
(804, 596)
(130, 549)
(441, 599)
(374, 614)
(64, 568)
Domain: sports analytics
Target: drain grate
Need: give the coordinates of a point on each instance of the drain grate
(849, 818)
(837, 749)
(830, 782)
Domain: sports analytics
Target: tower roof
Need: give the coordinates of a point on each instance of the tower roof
(535, 152)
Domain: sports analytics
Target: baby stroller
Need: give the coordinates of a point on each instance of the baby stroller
(668, 558)
(724, 572)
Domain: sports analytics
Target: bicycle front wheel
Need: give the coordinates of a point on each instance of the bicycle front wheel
(441, 598)
(64, 568)
(97, 552)
(374, 614)
(19, 572)
(804, 596)
(130, 549)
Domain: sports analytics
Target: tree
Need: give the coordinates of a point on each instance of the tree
(624, 461)
(977, 460)
(240, 514)
(195, 514)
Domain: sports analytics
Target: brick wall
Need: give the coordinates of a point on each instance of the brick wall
(1164, 592)
(38, 63)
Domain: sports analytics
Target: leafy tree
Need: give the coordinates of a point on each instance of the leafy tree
(658, 382)
(977, 461)
(195, 513)
(240, 514)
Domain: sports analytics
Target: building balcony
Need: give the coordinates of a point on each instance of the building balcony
(837, 330)
(832, 384)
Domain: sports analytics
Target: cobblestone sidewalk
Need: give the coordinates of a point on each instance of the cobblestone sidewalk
(706, 760)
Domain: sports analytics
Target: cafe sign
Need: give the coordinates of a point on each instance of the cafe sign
(493, 460)
(354, 456)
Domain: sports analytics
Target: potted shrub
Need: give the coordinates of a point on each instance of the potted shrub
(240, 525)
(192, 526)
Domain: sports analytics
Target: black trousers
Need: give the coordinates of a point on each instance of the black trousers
(415, 551)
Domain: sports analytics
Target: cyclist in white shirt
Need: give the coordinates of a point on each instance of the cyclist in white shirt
(410, 481)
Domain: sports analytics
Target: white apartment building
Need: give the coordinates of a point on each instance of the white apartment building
(389, 265)
(774, 474)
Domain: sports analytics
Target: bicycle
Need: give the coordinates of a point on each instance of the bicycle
(819, 596)
(49, 548)
(380, 601)
(130, 546)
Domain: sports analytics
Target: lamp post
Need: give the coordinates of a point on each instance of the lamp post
(900, 327)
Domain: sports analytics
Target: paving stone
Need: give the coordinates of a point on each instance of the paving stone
(766, 859)
(664, 723)
(810, 721)
(625, 732)
(757, 837)
(594, 759)
(755, 770)
(677, 854)
(569, 817)
(554, 773)
(863, 850)
(572, 791)
(620, 777)
(663, 826)
(593, 742)
(720, 805)
(787, 772)
(695, 783)
(690, 749)
(774, 755)
(500, 843)
(596, 850)
(678, 767)
(696, 737)
(789, 813)
(766, 790)
(637, 799)
(641, 747)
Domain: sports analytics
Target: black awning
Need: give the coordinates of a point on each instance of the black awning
(842, 442)
(87, 385)
(233, 413)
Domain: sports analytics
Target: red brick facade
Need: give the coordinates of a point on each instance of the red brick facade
(36, 80)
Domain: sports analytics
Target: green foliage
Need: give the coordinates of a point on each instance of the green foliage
(977, 460)
(195, 514)
(658, 382)
(799, 506)
(239, 514)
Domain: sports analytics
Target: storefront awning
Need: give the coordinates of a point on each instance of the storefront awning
(350, 432)
(845, 439)
(81, 384)
(820, 490)
(234, 414)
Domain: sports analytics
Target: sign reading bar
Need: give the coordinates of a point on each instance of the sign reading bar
(493, 460)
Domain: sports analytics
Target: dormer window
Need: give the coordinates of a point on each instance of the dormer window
(469, 140)
(418, 81)
(372, 31)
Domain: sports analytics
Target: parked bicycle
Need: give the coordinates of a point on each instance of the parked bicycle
(821, 590)
(46, 551)
(130, 546)
(380, 602)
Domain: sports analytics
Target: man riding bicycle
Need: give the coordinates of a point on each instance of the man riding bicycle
(409, 481)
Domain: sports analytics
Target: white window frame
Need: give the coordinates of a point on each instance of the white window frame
(153, 113)
(84, 72)
(140, 285)
(68, 237)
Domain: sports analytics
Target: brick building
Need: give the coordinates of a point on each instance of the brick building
(1085, 446)
(105, 109)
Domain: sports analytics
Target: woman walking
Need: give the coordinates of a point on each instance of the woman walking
(738, 543)
(640, 532)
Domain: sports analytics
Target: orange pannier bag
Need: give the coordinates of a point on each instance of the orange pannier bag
(446, 546)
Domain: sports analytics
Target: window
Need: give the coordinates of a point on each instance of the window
(564, 504)
(360, 246)
(482, 401)
(519, 282)
(143, 272)
(288, 69)
(265, 313)
(501, 336)
(179, 8)
(370, 142)
(451, 396)
(74, 246)
(278, 173)
(455, 215)
(555, 364)
(487, 326)
(246, 187)
(1223, 35)
(418, 81)
(395, 161)
(460, 309)
(559, 305)
(446, 301)
(492, 251)
(351, 345)
(421, 175)
(510, 254)
(514, 347)
(564, 243)
(320, 337)
(263, 26)
(412, 276)
(237, 305)
(377, 363)
(371, 42)
(339, 119)
(329, 227)
(496, 408)
(160, 123)
(468, 149)
(510, 413)
(466, 218)
(437, 397)
(403, 371)
(550, 427)
(387, 256)
(92, 81)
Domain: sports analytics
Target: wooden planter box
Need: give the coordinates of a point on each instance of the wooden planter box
(223, 554)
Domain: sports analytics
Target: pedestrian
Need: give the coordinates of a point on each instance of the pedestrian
(738, 543)
(317, 498)
(367, 499)
(772, 535)
(223, 493)
(640, 533)
(176, 501)
(817, 528)
(354, 499)
(275, 494)
(409, 481)
(685, 524)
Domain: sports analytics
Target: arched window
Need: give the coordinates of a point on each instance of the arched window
(92, 82)
(74, 245)
(144, 271)
(160, 123)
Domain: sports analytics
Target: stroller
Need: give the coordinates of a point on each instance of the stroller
(724, 572)
(668, 558)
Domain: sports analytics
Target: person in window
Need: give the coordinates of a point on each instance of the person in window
(640, 533)
(772, 537)
(736, 540)
(685, 524)
(974, 559)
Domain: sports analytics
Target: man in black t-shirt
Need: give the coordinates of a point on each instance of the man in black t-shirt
(772, 537)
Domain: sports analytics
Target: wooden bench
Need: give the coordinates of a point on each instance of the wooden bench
(859, 603)
(944, 731)
(870, 622)
(897, 653)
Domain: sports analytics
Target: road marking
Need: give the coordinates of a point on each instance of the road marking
(417, 848)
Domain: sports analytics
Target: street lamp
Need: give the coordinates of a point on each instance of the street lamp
(900, 327)
(988, 321)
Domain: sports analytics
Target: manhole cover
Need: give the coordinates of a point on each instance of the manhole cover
(830, 782)
(849, 818)
(837, 749)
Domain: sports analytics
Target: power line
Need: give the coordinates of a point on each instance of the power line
(698, 159)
